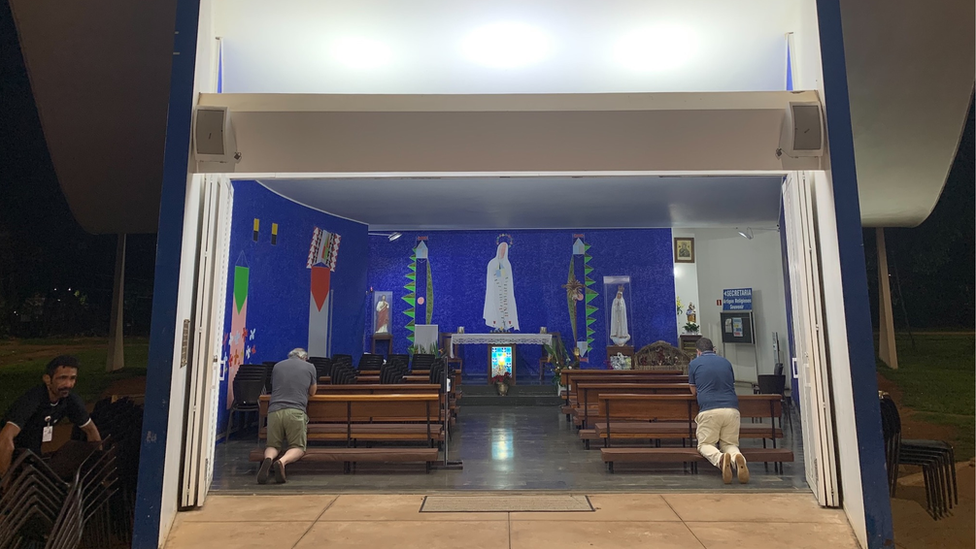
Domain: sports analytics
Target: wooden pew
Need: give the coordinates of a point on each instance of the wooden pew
(751, 407)
(448, 403)
(569, 378)
(645, 417)
(370, 417)
(586, 409)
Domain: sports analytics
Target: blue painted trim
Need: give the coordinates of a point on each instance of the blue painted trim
(867, 412)
(789, 68)
(220, 68)
(145, 532)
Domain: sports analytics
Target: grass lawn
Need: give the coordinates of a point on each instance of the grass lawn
(938, 381)
(22, 364)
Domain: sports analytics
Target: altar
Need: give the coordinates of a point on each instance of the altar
(501, 348)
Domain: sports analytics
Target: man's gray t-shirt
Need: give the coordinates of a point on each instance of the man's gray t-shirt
(291, 379)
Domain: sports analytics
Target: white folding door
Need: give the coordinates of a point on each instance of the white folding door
(811, 363)
(200, 428)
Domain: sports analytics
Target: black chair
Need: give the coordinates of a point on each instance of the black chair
(935, 457)
(323, 365)
(422, 361)
(268, 369)
(343, 374)
(342, 358)
(438, 372)
(370, 362)
(404, 358)
(248, 386)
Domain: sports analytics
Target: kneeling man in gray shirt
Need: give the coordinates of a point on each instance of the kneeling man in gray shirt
(293, 381)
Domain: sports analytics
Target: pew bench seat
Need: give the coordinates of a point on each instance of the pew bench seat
(686, 455)
(348, 456)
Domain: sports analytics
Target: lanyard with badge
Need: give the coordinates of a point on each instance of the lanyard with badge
(48, 433)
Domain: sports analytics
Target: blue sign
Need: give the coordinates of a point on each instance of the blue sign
(737, 299)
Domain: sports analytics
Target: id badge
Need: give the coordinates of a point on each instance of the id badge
(48, 434)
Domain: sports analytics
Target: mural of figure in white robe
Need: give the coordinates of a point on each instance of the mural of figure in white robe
(501, 312)
(618, 319)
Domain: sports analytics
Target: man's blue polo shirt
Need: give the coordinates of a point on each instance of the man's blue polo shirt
(712, 376)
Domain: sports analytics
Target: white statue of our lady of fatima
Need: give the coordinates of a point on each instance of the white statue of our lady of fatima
(618, 319)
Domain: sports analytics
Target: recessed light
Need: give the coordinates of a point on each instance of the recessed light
(658, 48)
(507, 45)
(361, 53)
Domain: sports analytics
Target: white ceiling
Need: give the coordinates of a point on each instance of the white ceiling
(457, 203)
(910, 70)
(425, 46)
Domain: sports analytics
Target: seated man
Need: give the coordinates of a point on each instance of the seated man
(31, 418)
(294, 380)
(713, 382)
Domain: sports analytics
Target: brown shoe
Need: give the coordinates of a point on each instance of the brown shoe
(263, 471)
(741, 470)
(279, 472)
(726, 466)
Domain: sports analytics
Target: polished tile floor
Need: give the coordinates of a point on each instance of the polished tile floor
(661, 521)
(527, 448)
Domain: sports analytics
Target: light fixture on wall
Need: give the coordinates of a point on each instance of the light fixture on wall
(507, 45)
(392, 236)
(749, 232)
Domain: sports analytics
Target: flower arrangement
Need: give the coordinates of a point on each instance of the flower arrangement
(691, 328)
(502, 378)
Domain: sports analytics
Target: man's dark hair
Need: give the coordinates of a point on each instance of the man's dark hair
(67, 361)
(704, 345)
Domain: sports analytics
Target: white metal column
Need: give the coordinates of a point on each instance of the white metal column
(810, 341)
(211, 279)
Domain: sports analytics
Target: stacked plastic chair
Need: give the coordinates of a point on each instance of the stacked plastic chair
(120, 422)
(248, 386)
(422, 361)
(347, 359)
(343, 374)
(268, 369)
(370, 362)
(935, 457)
(323, 365)
(40, 509)
(399, 357)
(393, 372)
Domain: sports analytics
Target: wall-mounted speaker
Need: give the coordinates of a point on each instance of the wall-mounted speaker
(213, 136)
(803, 131)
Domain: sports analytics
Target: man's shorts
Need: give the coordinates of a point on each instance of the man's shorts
(287, 429)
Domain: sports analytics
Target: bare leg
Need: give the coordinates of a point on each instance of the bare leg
(270, 453)
(291, 455)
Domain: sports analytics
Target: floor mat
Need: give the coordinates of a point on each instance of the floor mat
(473, 504)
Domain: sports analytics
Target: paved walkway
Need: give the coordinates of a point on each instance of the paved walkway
(669, 521)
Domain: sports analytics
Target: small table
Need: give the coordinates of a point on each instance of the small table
(388, 338)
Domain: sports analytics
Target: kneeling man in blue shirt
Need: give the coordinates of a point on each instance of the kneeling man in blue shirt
(718, 416)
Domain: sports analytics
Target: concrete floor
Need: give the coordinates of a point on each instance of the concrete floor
(517, 448)
(668, 521)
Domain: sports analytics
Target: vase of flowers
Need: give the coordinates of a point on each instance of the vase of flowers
(501, 382)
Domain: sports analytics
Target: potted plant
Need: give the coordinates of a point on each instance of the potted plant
(501, 382)
(691, 328)
(560, 360)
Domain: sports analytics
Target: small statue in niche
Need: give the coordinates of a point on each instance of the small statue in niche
(619, 332)
(382, 316)
(690, 313)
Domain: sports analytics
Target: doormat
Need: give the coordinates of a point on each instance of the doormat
(504, 504)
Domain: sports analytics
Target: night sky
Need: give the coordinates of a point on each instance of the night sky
(42, 247)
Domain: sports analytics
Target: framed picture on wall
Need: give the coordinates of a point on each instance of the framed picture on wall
(684, 250)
